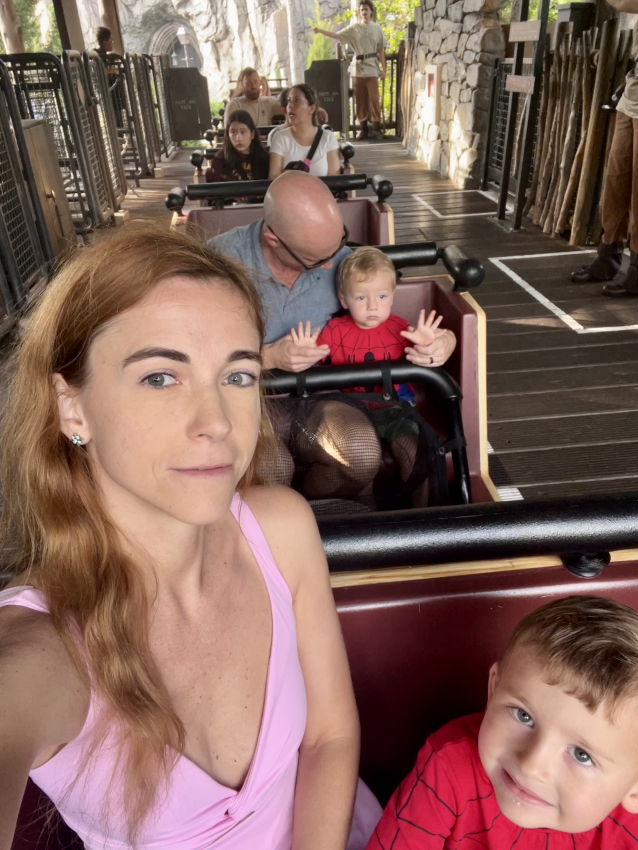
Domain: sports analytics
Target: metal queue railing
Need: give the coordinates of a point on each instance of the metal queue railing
(160, 67)
(25, 249)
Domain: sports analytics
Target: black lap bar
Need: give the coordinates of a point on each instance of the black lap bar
(369, 541)
(465, 272)
(177, 197)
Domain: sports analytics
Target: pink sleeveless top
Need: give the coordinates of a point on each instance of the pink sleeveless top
(198, 812)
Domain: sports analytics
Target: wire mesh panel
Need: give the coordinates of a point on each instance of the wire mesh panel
(127, 118)
(149, 112)
(105, 119)
(90, 129)
(26, 247)
(160, 66)
(42, 91)
(137, 94)
(498, 129)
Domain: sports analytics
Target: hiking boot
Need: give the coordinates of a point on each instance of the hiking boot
(604, 267)
(376, 132)
(363, 132)
(628, 283)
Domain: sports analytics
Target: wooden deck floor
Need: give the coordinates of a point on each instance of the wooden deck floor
(562, 367)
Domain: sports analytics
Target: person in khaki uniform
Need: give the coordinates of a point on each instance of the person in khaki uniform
(366, 38)
(619, 209)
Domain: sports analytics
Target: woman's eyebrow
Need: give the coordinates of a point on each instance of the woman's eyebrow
(146, 353)
(245, 354)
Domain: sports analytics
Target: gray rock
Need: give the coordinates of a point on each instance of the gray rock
(469, 56)
(448, 28)
(445, 164)
(434, 157)
(455, 91)
(433, 132)
(418, 16)
(430, 4)
(481, 99)
(466, 139)
(445, 131)
(450, 43)
(435, 41)
(467, 159)
(440, 9)
(479, 76)
(480, 6)
(428, 21)
(420, 59)
(445, 89)
(451, 109)
(465, 116)
(465, 96)
(462, 42)
(455, 11)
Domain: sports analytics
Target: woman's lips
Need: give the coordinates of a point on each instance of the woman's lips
(521, 792)
(205, 471)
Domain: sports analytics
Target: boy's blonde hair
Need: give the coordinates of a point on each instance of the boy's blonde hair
(361, 264)
(589, 646)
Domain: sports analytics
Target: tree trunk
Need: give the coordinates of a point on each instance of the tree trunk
(10, 28)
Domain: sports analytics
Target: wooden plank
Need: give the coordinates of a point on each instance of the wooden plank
(523, 83)
(524, 31)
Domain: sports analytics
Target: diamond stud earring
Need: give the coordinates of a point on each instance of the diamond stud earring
(76, 440)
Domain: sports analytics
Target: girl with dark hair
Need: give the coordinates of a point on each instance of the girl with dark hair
(243, 156)
(304, 143)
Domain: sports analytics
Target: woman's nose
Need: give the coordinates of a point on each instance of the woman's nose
(209, 416)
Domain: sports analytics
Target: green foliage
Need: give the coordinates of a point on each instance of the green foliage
(505, 10)
(321, 47)
(393, 17)
(30, 24)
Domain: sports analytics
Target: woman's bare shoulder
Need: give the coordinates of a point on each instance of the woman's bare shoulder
(290, 528)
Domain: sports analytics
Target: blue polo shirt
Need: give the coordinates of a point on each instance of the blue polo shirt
(312, 298)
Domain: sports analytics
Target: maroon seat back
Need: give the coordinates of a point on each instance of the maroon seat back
(368, 223)
(420, 651)
(465, 318)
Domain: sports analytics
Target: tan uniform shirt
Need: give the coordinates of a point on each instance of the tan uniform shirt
(628, 103)
(363, 38)
(260, 110)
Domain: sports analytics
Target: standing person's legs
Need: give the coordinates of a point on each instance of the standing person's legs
(375, 108)
(628, 284)
(363, 105)
(615, 206)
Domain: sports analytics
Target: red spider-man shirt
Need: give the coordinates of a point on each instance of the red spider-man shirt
(448, 803)
(351, 344)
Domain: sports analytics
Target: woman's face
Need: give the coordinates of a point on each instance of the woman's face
(170, 412)
(241, 136)
(365, 14)
(299, 111)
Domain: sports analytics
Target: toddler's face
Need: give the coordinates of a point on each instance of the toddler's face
(369, 301)
(552, 762)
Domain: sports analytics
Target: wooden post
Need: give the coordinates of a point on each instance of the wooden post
(69, 27)
(10, 28)
(595, 136)
(110, 18)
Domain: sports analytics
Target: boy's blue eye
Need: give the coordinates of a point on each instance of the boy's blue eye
(523, 716)
(581, 756)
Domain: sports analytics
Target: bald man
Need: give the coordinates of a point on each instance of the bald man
(294, 252)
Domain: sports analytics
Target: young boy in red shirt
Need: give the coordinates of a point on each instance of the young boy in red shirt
(553, 762)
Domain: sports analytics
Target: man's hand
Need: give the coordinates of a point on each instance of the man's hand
(382, 74)
(291, 356)
(304, 337)
(425, 331)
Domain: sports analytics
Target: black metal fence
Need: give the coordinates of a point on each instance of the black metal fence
(25, 249)
(104, 119)
(160, 67)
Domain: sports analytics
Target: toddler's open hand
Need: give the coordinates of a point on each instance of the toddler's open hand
(304, 336)
(426, 330)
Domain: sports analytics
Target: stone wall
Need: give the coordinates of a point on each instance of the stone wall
(227, 34)
(463, 37)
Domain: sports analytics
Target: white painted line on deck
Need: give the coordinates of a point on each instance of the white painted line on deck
(571, 323)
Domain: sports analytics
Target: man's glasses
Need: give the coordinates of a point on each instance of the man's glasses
(319, 263)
